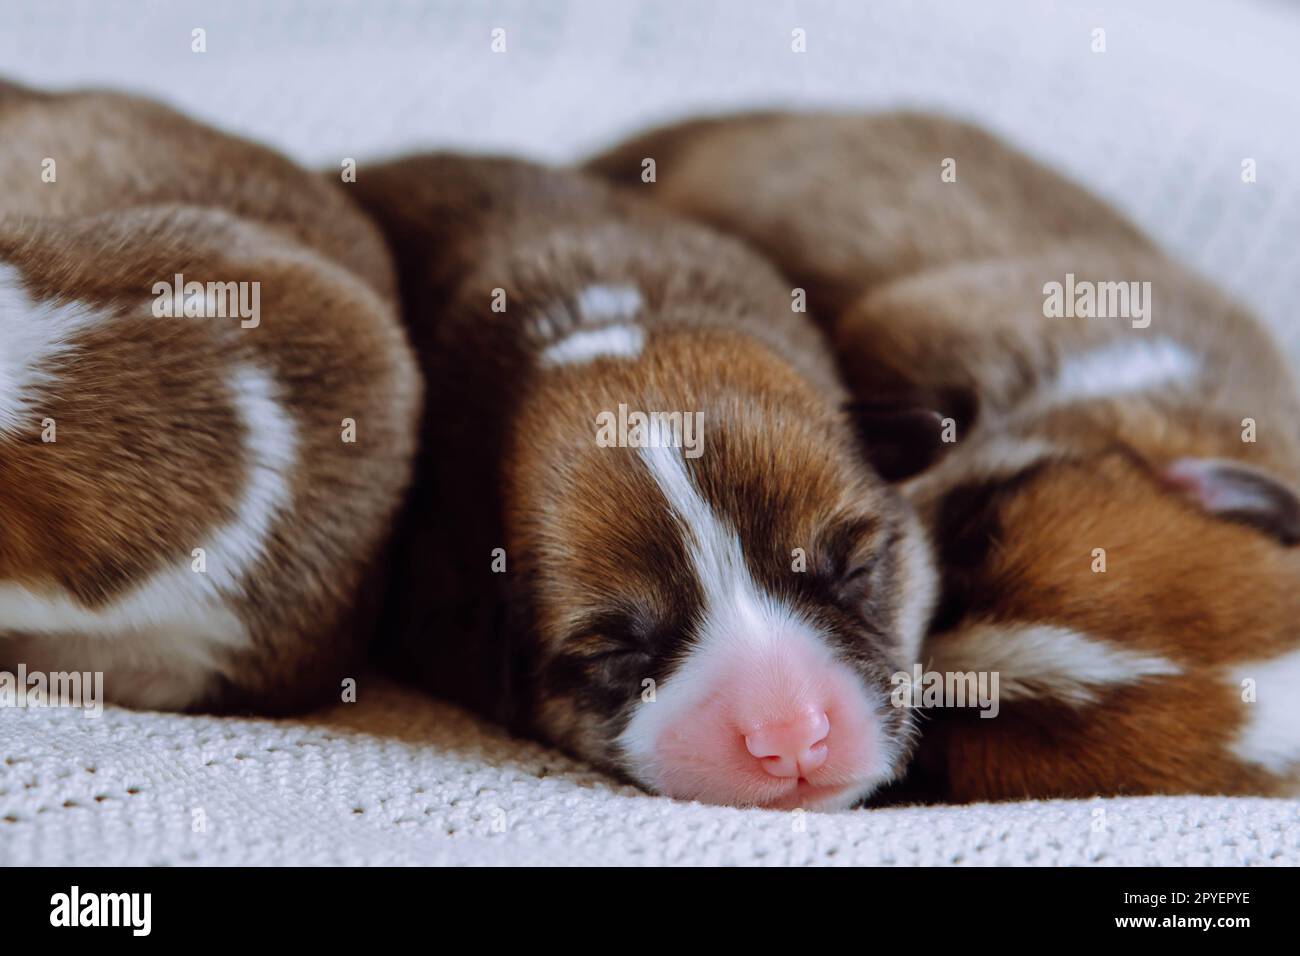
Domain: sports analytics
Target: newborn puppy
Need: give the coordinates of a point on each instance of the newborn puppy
(1117, 521)
(642, 518)
(188, 322)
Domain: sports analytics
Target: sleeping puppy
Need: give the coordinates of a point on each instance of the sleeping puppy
(188, 324)
(1116, 522)
(643, 528)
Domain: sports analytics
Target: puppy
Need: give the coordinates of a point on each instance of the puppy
(1117, 520)
(642, 528)
(193, 330)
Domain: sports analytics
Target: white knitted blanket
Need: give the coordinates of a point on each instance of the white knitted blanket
(397, 779)
(1160, 123)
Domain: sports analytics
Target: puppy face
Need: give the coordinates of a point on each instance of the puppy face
(718, 621)
(1124, 603)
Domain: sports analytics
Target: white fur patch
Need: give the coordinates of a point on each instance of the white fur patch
(736, 610)
(179, 614)
(605, 327)
(1117, 368)
(1123, 367)
(1040, 661)
(739, 618)
(34, 336)
(609, 303)
(612, 341)
(1271, 737)
(271, 448)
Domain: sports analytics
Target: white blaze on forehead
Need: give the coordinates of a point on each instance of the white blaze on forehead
(739, 618)
(179, 612)
(1271, 735)
(1123, 367)
(715, 549)
(33, 337)
(1040, 661)
(612, 341)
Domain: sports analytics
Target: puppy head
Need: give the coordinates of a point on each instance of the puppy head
(1138, 589)
(718, 607)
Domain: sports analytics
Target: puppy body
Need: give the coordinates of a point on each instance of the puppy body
(1116, 524)
(181, 510)
(682, 615)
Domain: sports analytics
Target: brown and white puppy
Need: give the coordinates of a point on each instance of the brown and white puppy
(710, 602)
(1117, 522)
(181, 508)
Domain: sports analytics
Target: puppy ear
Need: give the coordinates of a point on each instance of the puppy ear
(1237, 492)
(899, 438)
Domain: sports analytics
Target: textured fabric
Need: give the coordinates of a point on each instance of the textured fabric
(396, 778)
(1160, 123)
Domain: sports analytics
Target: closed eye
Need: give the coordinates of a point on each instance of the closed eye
(611, 653)
(856, 574)
(608, 635)
(851, 548)
(854, 588)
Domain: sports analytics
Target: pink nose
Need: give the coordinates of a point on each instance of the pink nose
(792, 747)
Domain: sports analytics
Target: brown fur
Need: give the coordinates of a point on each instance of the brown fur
(936, 289)
(149, 457)
(594, 560)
